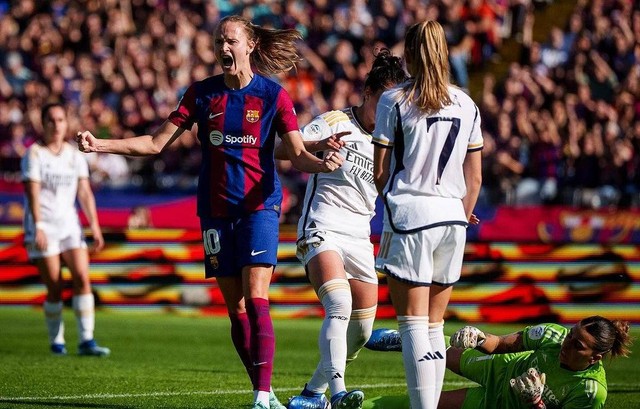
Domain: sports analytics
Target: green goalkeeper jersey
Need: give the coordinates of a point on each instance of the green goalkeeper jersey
(564, 388)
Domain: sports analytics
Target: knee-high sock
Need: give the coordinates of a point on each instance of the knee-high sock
(241, 337)
(436, 337)
(262, 342)
(418, 358)
(84, 308)
(53, 319)
(335, 296)
(358, 332)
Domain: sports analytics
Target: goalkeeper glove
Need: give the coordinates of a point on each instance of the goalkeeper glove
(468, 337)
(529, 387)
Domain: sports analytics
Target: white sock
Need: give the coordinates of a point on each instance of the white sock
(418, 360)
(84, 308)
(359, 331)
(53, 319)
(261, 396)
(335, 296)
(436, 337)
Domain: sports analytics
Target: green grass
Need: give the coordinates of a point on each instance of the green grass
(172, 361)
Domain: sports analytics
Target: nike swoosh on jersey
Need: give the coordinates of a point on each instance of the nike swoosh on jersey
(212, 115)
(255, 253)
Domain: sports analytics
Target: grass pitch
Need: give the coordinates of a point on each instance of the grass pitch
(173, 361)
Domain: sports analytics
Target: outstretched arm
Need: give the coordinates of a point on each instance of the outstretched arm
(139, 146)
(333, 142)
(305, 161)
(471, 337)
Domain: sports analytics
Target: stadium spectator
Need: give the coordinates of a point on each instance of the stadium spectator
(238, 114)
(429, 200)
(151, 51)
(544, 365)
(54, 174)
(140, 218)
(333, 238)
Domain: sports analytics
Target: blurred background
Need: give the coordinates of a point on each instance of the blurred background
(557, 83)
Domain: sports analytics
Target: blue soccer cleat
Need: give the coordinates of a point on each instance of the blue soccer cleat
(58, 349)
(384, 339)
(91, 348)
(318, 401)
(274, 403)
(348, 400)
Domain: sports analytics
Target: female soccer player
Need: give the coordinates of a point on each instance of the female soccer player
(239, 114)
(333, 237)
(54, 174)
(542, 366)
(427, 168)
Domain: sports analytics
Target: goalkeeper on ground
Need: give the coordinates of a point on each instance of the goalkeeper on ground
(543, 366)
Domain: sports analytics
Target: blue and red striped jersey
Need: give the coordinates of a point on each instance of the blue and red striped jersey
(237, 129)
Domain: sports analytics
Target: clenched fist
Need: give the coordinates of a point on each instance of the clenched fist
(86, 142)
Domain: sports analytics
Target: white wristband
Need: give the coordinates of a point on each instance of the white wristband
(40, 225)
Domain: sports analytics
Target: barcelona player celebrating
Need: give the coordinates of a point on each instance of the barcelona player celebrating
(238, 114)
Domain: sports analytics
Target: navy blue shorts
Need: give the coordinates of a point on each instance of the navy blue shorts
(231, 244)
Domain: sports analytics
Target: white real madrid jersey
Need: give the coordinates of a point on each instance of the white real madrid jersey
(343, 200)
(426, 180)
(58, 175)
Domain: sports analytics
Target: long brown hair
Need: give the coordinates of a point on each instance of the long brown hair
(427, 57)
(275, 50)
(610, 336)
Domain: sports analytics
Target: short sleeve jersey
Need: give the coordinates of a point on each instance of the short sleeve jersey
(236, 130)
(564, 388)
(58, 175)
(426, 180)
(343, 200)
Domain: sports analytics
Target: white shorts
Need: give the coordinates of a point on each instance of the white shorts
(356, 252)
(428, 256)
(60, 238)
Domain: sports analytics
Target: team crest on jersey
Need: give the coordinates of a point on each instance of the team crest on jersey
(253, 115)
(314, 129)
(536, 332)
(213, 260)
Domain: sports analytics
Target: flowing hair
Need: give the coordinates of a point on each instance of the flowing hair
(427, 57)
(275, 50)
(610, 336)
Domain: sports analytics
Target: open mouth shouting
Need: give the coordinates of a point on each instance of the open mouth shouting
(227, 61)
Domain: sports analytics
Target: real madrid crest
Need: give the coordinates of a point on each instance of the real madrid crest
(253, 115)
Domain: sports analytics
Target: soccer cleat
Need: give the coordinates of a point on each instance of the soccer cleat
(384, 339)
(348, 400)
(274, 403)
(91, 348)
(309, 402)
(259, 405)
(58, 349)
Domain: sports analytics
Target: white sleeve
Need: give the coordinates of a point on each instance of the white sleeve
(30, 166)
(82, 165)
(475, 140)
(316, 130)
(386, 118)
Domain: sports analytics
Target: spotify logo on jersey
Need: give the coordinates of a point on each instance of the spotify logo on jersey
(216, 138)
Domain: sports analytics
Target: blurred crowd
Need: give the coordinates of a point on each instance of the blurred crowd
(562, 127)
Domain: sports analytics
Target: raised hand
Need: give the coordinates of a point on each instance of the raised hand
(529, 387)
(86, 142)
(468, 337)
